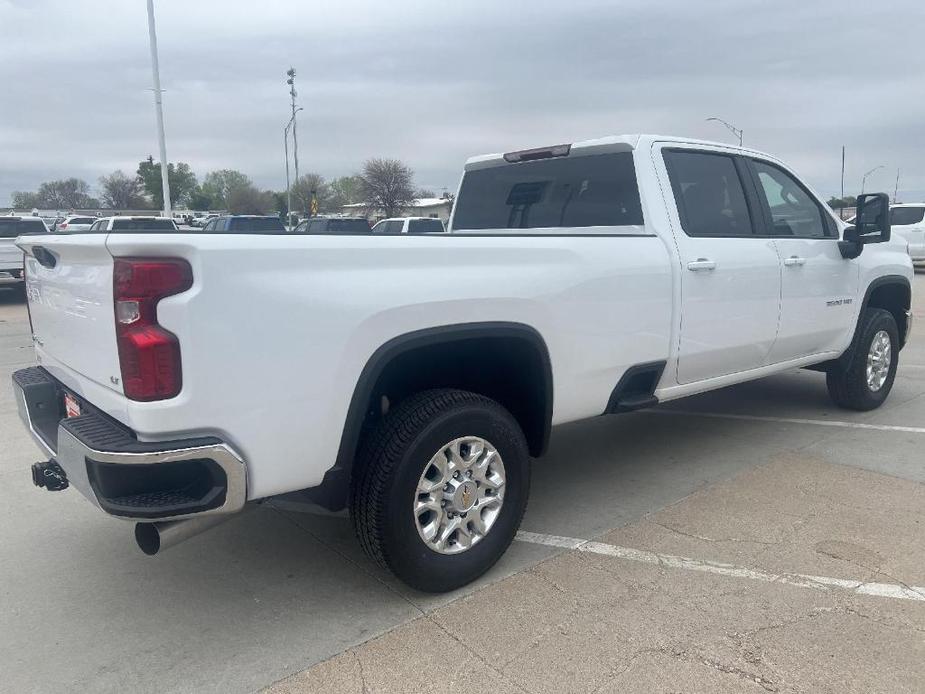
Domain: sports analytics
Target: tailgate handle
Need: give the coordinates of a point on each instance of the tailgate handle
(45, 257)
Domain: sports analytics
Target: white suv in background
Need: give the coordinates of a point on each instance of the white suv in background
(134, 224)
(409, 225)
(908, 222)
(75, 223)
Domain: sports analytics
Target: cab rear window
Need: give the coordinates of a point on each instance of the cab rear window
(580, 191)
(11, 228)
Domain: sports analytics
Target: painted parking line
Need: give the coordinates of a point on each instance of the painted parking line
(793, 420)
(880, 590)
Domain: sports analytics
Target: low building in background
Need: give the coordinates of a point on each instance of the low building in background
(436, 208)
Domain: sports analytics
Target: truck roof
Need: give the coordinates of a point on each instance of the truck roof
(610, 143)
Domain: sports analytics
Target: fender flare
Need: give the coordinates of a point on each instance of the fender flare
(334, 490)
(876, 283)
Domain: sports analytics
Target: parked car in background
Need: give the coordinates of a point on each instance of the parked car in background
(908, 222)
(133, 224)
(11, 258)
(202, 220)
(333, 225)
(412, 380)
(245, 224)
(75, 223)
(409, 225)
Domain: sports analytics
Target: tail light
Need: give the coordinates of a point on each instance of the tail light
(149, 355)
(62, 225)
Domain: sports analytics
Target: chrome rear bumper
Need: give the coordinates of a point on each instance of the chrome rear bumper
(125, 477)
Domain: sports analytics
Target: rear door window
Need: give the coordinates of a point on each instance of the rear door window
(582, 191)
(709, 193)
(903, 216)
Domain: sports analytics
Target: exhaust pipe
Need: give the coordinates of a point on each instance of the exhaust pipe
(155, 537)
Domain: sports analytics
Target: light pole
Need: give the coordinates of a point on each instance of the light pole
(729, 126)
(290, 73)
(864, 179)
(159, 109)
(286, 147)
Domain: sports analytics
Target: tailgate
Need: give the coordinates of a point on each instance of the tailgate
(69, 289)
(10, 255)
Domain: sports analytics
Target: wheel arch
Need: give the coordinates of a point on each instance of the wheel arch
(506, 361)
(892, 293)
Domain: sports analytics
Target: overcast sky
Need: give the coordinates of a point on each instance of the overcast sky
(434, 83)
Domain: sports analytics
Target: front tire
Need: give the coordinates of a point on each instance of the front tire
(441, 488)
(866, 380)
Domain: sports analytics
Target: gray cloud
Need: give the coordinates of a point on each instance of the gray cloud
(435, 84)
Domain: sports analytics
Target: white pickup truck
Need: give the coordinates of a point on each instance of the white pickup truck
(410, 378)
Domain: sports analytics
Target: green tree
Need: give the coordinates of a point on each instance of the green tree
(387, 186)
(121, 192)
(200, 200)
(345, 190)
(248, 199)
(218, 185)
(180, 176)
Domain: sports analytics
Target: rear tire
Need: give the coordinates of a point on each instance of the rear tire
(413, 447)
(866, 380)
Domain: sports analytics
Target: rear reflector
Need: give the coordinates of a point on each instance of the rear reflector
(149, 355)
(538, 153)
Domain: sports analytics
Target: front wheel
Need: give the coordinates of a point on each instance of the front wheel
(866, 380)
(441, 488)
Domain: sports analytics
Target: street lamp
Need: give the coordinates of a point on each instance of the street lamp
(159, 109)
(729, 126)
(286, 147)
(290, 74)
(864, 179)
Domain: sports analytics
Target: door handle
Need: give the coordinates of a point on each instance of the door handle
(794, 261)
(701, 264)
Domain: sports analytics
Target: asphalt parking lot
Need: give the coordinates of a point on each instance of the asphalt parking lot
(751, 539)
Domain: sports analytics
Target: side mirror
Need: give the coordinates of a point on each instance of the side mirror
(873, 218)
(872, 224)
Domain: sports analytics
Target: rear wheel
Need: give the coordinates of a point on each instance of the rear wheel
(441, 488)
(866, 380)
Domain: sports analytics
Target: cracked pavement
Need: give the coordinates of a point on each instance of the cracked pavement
(582, 622)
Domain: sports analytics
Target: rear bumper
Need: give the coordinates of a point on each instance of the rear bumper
(125, 477)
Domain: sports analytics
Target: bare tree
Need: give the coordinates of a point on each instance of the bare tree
(309, 186)
(68, 193)
(121, 192)
(247, 199)
(387, 186)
